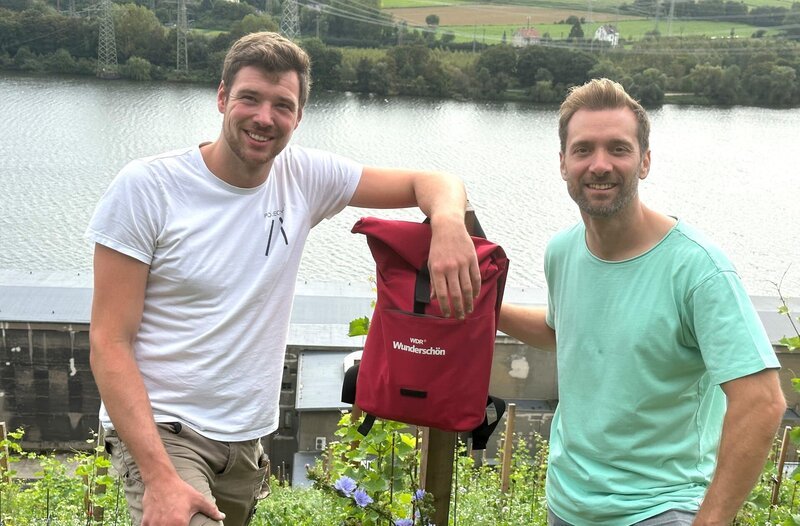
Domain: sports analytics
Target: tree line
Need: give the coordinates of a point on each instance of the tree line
(36, 36)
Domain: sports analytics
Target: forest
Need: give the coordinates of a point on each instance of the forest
(358, 54)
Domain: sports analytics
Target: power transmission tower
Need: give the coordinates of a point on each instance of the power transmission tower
(290, 25)
(671, 16)
(658, 12)
(107, 47)
(182, 65)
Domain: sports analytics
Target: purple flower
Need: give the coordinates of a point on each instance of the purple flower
(403, 522)
(346, 485)
(418, 495)
(361, 498)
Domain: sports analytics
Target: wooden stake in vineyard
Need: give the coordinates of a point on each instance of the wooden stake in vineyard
(439, 447)
(781, 461)
(4, 459)
(508, 448)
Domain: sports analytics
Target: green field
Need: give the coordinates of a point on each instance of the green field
(580, 5)
(629, 30)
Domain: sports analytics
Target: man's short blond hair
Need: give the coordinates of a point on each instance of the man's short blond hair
(602, 94)
(271, 53)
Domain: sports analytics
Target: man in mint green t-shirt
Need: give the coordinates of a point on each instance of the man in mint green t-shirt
(668, 386)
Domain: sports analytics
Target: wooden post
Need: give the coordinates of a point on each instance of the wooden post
(436, 470)
(100, 489)
(508, 448)
(438, 447)
(781, 461)
(4, 459)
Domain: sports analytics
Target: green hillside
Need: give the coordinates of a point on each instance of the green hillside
(629, 30)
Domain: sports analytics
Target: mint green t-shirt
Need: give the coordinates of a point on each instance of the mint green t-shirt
(643, 345)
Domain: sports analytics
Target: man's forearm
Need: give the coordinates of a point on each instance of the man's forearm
(440, 194)
(528, 325)
(125, 398)
(747, 436)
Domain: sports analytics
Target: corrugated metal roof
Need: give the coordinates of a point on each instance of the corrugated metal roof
(27, 304)
(320, 317)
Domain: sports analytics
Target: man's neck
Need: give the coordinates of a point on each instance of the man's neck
(628, 234)
(225, 165)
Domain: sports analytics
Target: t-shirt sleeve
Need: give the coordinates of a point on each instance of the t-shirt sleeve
(728, 330)
(130, 215)
(327, 180)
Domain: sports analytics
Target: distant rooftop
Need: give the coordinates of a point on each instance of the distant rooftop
(320, 317)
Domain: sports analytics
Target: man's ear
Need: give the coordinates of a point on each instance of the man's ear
(562, 165)
(299, 116)
(222, 97)
(645, 165)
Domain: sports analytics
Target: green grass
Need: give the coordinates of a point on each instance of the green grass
(629, 30)
(580, 5)
(393, 4)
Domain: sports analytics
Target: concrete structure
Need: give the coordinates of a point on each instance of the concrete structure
(46, 386)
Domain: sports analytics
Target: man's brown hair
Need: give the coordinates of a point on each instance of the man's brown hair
(602, 94)
(271, 53)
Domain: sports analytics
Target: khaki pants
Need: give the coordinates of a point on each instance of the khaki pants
(234, 475)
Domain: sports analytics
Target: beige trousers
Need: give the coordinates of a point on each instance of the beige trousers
(232, 474)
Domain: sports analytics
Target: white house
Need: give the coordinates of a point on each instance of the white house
(607, 33)
(525, 37)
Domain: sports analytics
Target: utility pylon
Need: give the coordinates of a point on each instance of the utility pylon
(107, 46)
(290, 24)
(182, 63)
(671, 16)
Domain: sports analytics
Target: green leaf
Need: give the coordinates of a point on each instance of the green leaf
(359, 327)
(792, 343)
(783, 309)
(761, 501)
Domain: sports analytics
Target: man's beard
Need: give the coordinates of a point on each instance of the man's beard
(608, 209)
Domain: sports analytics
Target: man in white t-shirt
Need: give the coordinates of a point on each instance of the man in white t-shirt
(196, 257)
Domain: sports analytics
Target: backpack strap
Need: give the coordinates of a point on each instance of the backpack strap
(349, 385)
(481, 434)
(366, 425)
(422, 287)
(422, 290)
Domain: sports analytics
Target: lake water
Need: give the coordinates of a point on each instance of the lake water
(731, 172)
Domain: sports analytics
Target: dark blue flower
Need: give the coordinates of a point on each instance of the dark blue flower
(361, 497)
(418, 495)
(346, 485)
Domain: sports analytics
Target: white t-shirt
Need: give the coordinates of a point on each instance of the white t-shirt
(223, 266)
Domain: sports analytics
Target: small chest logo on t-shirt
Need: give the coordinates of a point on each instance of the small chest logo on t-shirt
(274, 228)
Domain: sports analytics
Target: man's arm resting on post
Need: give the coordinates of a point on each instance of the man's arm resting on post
(528, 325)
(455, 277)
(755, 407)
(119, 288)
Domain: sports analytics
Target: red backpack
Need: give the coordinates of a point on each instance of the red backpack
(417, 366)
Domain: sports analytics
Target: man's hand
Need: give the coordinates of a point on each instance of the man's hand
(452, 262)
(174, 503)
(453, 266)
